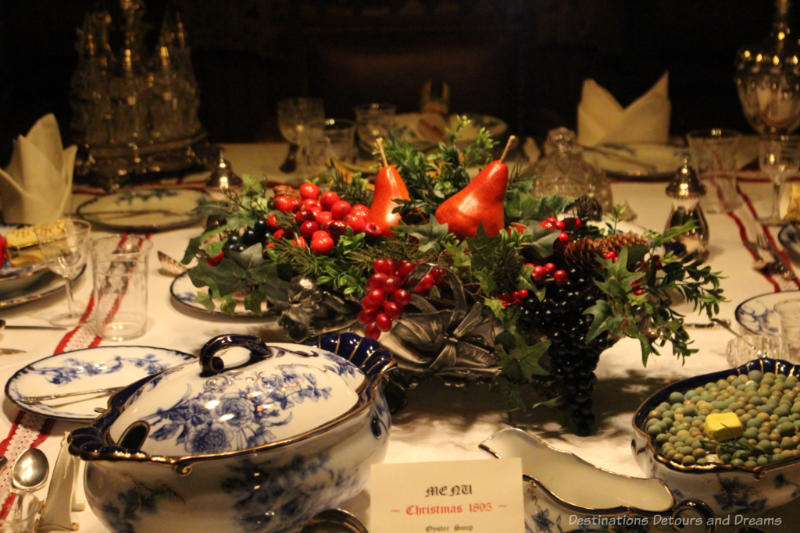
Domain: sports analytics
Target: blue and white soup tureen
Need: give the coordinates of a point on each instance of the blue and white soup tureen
(258, 442)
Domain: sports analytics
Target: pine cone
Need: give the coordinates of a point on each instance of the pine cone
(580, 254)
(620, 241)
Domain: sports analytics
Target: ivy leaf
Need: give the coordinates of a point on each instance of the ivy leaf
(204, 299)
(542, 241)
(253, 300)
(527, 358)
(604, 320)
(429, 235)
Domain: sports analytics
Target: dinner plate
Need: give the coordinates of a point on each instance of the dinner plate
(636, 160)
(145, 209)
(86, 370)
(756, 314)
(425, 130)
(46, 285)
(184, 294)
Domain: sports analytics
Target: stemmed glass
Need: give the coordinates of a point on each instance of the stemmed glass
(778, 158)
(293, 116)
(65, 247)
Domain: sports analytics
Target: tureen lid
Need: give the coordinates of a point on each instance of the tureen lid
(267, 393)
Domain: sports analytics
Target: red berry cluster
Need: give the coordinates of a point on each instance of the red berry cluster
(321, 218)
(542, 272)
(514, 297)
(385, 296)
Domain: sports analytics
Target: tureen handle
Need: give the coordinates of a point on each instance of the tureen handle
(213, 364)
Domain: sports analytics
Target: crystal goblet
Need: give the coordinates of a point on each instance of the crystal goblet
(778, 158)
(65, 247)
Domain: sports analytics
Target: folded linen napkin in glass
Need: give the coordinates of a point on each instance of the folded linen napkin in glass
(37, 184)
(601, 118)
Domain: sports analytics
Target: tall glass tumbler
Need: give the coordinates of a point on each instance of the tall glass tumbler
(120, 271)
(713, 156)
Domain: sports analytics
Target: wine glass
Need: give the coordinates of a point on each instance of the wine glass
(293, 116)
(65, 247)
(778, 158)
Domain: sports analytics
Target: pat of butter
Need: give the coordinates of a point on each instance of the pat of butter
(723, 426)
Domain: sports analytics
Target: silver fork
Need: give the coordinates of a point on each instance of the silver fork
(780, 265)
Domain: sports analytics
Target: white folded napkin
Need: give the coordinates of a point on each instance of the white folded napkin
(601, 119)
(37, 184)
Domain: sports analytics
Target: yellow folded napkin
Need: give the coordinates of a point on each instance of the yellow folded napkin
(601, 118)
(37, 184)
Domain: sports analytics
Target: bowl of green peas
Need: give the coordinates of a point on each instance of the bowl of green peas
(730, 439)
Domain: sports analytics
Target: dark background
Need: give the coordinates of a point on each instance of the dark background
(523, 61)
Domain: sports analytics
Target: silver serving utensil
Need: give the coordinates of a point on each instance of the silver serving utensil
(59, 396)
(28, 475)
(11, 351)
(782, 267)
(4, 325)
(170, 265)
(334, 521)
(620, 157)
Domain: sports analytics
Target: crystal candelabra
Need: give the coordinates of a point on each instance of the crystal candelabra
(134, 111)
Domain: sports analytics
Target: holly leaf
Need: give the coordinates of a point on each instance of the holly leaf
(546, 206)
(253, 300)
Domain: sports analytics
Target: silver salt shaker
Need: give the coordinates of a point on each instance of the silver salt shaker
(685, 192)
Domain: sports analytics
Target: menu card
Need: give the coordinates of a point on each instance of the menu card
(470, 496)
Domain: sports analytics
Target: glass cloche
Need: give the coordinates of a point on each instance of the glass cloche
(563, 171)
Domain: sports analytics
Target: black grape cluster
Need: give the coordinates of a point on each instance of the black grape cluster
(572, 361)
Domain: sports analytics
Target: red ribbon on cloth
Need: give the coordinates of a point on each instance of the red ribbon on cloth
(29, 430)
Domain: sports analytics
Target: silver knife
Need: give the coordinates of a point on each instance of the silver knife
(3, 325)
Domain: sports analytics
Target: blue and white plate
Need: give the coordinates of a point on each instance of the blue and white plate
(756, 315)
(86, 370)
(145, 210)
(184, 294)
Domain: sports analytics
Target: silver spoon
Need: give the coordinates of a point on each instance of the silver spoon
(28, 475)
(30, 471)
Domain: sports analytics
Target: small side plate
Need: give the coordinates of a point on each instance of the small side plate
(756, 314)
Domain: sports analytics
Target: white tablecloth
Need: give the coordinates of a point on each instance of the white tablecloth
(441, 423)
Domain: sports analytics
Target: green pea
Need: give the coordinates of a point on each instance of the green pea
(765, 446)
(786, 429)
(737, 462)
(754, 422)
(691, 394)
(676, 396)
(762, 460)
(687, 459)
(787, 443)
(755, 375)
(751, 433)
(686, 450)
(756, 400)
(782, 410)
(701, 461)
(661, 438)
(750, 463)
